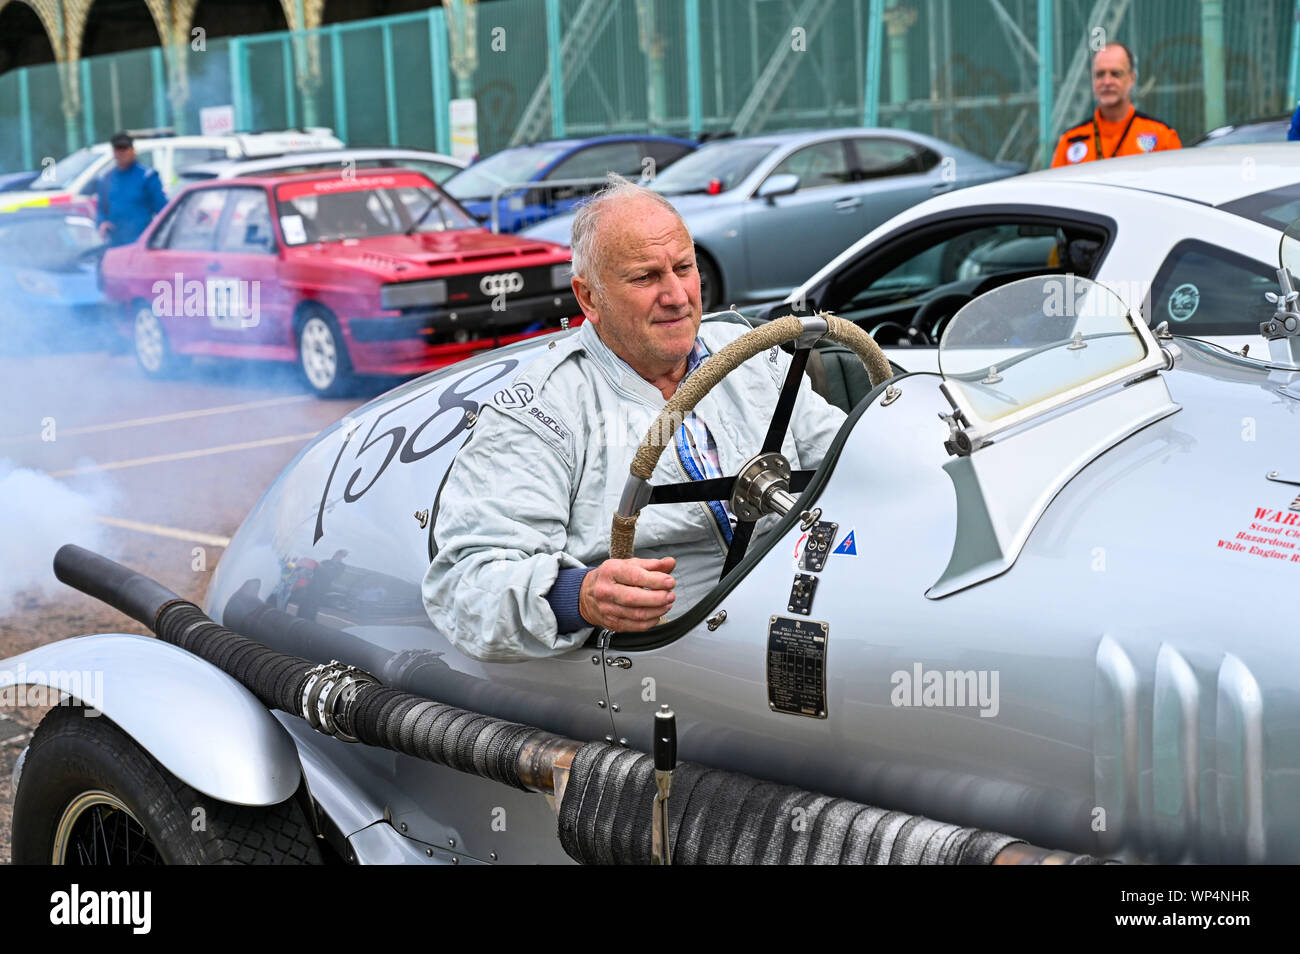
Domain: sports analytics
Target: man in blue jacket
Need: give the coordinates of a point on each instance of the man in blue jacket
(129, 196)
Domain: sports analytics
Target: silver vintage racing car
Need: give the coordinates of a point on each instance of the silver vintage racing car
(1032, 607)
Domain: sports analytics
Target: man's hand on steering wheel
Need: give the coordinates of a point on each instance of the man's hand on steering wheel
(628, 595)
(766, 483)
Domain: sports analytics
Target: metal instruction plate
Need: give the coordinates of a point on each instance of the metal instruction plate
(801, 593)
(820, 540)
(796, 666)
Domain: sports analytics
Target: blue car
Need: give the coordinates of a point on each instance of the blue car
(630, 156)
(49, 282)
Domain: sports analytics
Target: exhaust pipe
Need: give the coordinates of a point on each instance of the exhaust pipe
(585, 778)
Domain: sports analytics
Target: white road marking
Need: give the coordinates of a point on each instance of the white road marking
(182, 455)
(165, 418)
(174, 533)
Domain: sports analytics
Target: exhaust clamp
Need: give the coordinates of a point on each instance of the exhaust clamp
(328, 694)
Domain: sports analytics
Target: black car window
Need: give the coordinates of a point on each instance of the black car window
(818, 165)
(193, 226)
(247, 228)
(975, 252)
(891, 157)
(664, 154)
(439, 172)
(595, 161)
(1276, 207)
(1202, 289)
(930, 271)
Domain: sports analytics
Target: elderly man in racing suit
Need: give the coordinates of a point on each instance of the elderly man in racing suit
(522, 567)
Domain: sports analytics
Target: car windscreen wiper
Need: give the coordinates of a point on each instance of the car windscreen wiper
(434, 202)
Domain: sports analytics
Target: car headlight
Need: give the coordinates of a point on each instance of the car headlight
(561, 275)
(36, 283)
(413, 295)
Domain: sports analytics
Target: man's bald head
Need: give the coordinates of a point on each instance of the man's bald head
(635, 278)
(620, 198)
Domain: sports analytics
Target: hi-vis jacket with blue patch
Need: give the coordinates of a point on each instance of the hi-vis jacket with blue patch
(535, 486)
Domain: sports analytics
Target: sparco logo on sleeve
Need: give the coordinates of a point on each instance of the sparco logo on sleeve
(549, 422)
(502, 283)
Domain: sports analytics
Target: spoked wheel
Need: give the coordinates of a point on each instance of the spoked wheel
(88, 794)
(323, 355)
(765, 484)
(98, 829)
(153, 352)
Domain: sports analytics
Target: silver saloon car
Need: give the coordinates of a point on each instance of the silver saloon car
(768, 211)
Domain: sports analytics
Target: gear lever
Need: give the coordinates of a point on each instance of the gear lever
(665, 753)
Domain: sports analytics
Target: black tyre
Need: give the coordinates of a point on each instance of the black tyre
(88, 794)
(322, 354)
(153, 352)
(710, 282)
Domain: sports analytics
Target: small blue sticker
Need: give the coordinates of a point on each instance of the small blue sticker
(847, 546)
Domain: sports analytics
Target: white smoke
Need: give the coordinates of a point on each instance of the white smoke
(38, 514)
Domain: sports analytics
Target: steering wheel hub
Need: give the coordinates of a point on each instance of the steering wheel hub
(763, 487)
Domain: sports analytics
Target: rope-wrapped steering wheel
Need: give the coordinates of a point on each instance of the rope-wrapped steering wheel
(763, 478)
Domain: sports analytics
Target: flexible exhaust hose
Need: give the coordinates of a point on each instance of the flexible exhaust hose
(721, 818)
(373, 714)
(715, 817)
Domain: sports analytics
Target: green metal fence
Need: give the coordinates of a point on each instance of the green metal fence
(1000, 77)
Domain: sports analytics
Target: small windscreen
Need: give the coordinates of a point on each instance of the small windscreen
(1033, 339)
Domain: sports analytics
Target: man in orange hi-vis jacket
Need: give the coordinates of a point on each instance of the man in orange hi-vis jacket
(1116, 128)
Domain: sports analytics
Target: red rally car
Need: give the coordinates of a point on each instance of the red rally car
(363, 273)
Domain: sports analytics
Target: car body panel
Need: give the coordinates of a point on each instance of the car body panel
(199, 723)
(1113, 666)
(472, 818)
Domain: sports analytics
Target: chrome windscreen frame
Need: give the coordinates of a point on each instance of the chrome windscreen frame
(970, 432)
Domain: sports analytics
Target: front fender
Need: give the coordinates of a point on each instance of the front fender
(202, 725)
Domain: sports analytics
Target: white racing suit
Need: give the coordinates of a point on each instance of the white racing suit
(534, 487)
